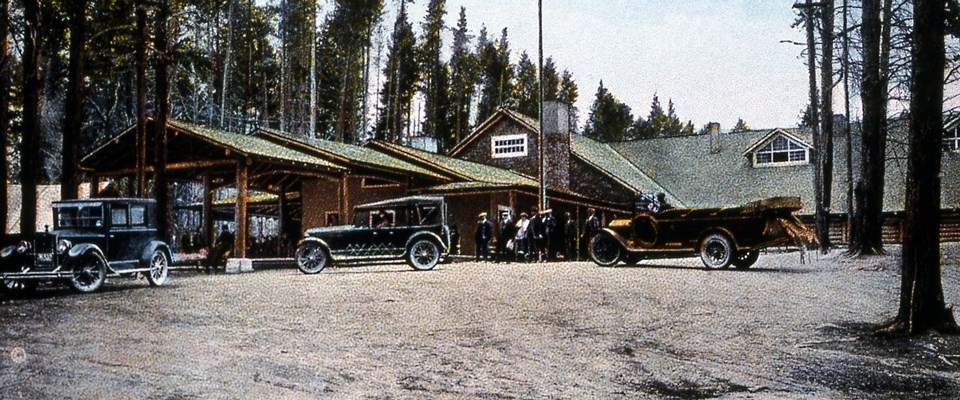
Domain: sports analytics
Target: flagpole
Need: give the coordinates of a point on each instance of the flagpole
(540, 144)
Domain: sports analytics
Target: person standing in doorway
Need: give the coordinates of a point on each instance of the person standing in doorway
(483, 236)
(570, 238)
(506, 242)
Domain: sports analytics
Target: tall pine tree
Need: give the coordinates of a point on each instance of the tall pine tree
(496, 74)
(401, 79)
(436, 78)
(609, 119)
(528, 87)
(462, 80)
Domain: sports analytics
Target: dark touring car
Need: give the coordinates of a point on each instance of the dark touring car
(409, 228)
(91, 239)
(721, 236)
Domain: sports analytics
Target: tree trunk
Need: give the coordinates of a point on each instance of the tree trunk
(869, 196)
(283, 68)
(922, 306)
(846, 113)
(162, 57)
(73, 120)
(313, 71)
(30, 149)
(808, 9)
(5, 73)
(224, 88)
(141, 90)
(825, 151)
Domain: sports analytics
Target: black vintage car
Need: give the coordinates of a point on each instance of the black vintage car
(90, 240)
(409, 228)
(721, 236)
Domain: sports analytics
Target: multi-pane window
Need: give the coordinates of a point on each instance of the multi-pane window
(951, 139)
(509, 146)
(781, 151)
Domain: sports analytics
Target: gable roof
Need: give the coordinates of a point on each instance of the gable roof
(455, 167)
(344, 153)
(771, 135)
(252, 145)
(529, 123)
(710, 170)
(605, 159)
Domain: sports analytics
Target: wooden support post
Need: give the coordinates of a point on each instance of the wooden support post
(343, 197)
(240, 214)
(283, 221)
(207, 213)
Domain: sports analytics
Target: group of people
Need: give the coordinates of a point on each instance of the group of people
(535, 237)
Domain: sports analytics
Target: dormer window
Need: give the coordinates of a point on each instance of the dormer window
(506, 146)
(781, 151)
(951, 139)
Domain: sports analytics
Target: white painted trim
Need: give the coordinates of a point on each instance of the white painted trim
(521, 153)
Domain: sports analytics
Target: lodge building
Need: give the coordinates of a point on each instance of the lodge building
(306, 182)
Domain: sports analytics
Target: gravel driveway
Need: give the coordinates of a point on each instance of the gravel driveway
(665, 329)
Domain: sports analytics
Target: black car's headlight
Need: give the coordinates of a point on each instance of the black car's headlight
(7, 251)
(63, 245)
(23, 247)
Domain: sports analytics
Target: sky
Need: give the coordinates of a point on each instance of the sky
(718, 60)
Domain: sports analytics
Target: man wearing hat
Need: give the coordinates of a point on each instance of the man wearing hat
(483, 235)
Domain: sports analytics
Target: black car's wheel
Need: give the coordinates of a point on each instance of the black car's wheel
(89, 273)
(745, 259)
(311, 258)
(716, 251)
(605, 250)
(424, 255)
(159, 268)
(17, 287)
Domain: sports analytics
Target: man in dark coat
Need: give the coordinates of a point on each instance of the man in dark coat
(550, 226)
(217, 255)
(535, 234)
(508, 233)
(590, 228)
(483, 236)
(570, 238)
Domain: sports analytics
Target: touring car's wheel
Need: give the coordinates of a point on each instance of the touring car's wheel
(716, 251)
(159, 268)
(89, 273)
(312, 258)
(745, 259)
(17, 287)
(424, 254)
(605, 250)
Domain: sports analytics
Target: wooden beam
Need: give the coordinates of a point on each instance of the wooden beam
(240, 212)
(180, 166)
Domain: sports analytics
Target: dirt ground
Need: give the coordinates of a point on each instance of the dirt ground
(666, 329)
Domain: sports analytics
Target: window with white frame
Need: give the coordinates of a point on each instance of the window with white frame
(781, 151)
(951, 139)
(506, 146)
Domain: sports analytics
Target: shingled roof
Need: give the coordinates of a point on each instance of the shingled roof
(606, 160)
(252, 146)
(349, 154)
(712, 171)
(455, 167)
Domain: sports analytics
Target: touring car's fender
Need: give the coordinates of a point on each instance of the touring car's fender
(431, 235)
(151, 247)
(84, 248)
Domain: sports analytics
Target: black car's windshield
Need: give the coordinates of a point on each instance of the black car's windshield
(79, 216)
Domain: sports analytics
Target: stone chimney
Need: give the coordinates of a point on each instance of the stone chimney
(556, 134)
